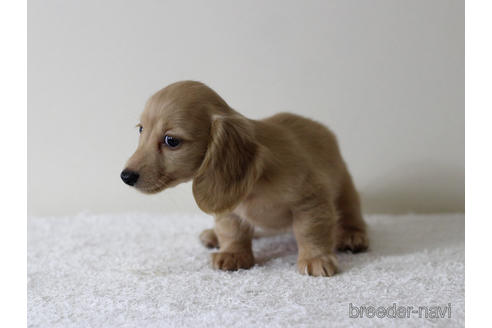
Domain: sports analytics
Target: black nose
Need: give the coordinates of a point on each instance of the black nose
(129, 177)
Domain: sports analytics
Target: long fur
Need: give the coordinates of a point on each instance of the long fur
(279, 172)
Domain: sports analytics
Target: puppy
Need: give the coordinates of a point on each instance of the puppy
(282, 171)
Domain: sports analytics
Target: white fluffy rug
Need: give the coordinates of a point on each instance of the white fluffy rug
(151, 271)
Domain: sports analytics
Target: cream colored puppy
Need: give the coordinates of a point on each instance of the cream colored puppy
(282, 171)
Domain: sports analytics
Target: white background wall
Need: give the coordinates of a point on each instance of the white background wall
(386, 76)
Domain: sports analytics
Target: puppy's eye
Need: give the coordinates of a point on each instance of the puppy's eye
(171, 141)
(140, 129)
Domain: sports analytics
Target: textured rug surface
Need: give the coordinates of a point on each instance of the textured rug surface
(139, 270)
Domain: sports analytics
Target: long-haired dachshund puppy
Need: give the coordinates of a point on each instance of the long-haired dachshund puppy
(279, 172)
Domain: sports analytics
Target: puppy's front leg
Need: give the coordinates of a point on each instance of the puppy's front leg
(314, 226)
(234, 236)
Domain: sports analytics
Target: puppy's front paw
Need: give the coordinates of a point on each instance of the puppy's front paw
(209, 238)
(233, 261)
(321, 266)
(353, 240)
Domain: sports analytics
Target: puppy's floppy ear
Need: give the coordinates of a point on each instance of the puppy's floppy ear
(230, 167)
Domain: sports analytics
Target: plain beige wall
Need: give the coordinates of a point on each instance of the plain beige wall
(386, 76)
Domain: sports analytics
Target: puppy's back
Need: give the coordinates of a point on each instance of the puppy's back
(313, 139)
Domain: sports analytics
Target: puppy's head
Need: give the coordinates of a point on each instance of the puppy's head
(187, 132)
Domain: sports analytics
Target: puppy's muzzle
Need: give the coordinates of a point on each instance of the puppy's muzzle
(129, 177)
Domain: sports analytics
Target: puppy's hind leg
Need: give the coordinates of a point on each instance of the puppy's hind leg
(351, 230)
